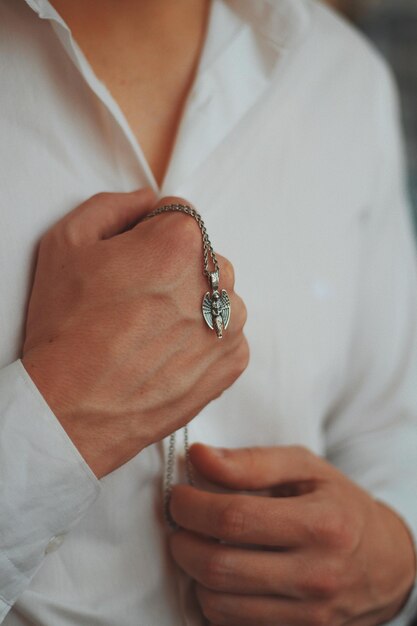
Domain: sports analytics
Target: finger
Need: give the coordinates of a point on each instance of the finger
(221, 567)
(244, 519)
(225, 609)
(174, 233)
(183, 234)
(238, 313)
(173, 214)
(106, 214)
(226, 272)
(258, 468)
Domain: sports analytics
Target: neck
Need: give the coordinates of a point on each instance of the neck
(157, 23)
(146, 52)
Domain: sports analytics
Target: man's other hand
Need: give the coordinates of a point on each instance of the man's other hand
(317, 550)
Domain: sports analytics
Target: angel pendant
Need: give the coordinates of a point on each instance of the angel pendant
(216, 311)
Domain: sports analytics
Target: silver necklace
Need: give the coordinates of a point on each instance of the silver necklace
(216, 313)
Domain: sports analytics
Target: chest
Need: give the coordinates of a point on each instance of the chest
(152, 108)
(297, 281)
(294, 236)
(149, 83)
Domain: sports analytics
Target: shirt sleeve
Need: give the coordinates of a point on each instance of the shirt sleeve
(371, 434)
(45, 484)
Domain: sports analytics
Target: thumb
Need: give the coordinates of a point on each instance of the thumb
(105, 215)
(257, 468)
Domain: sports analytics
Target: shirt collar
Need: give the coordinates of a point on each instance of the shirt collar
(281, 22)
(246, 41)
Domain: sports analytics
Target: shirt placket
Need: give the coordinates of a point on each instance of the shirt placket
(46, 11)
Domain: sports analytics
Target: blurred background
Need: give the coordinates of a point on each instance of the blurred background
(392, 26)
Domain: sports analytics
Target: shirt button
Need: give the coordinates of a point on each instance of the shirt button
(54, 543)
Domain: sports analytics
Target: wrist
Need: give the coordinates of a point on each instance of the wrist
(50, 375)
(400, 561)
(100, 440)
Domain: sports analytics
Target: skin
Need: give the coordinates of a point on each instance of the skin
(115, 338)
(313, 550)
(120, 371)
(167, 37)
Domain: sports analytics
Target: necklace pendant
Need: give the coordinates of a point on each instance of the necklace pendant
(216, 307)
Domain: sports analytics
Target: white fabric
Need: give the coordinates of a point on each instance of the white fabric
(290, 148)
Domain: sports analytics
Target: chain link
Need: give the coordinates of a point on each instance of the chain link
(187, 210)
(207, 252)
(169, 472)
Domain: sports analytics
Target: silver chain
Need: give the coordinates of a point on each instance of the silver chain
(208, 252)
(207, 247)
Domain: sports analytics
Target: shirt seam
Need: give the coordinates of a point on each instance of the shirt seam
(5, 601)
(16, 569)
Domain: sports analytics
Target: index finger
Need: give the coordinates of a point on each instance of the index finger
(243, 519)
(105, 215)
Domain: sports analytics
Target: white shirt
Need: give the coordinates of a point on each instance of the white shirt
(290, 148)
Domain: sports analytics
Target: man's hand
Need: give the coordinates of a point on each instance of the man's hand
(115, 337)
(317, 550)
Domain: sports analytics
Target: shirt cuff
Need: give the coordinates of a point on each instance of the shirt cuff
(46, 486)
(4, 609)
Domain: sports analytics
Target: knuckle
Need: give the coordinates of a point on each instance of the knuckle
(244, 314)
(100, 197)
(70, 233)
(318, 527)
(322, 585)
(240, 313)
(47, 240)
(61, 235)
(227, 272)
(173, 200)
(341, 535)
(54, 238)
(306, 459)
(333, 530)
(240, 359)
(231, 523)
(183, 229)
(189, 233)
(184, 236)
(216, 571)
